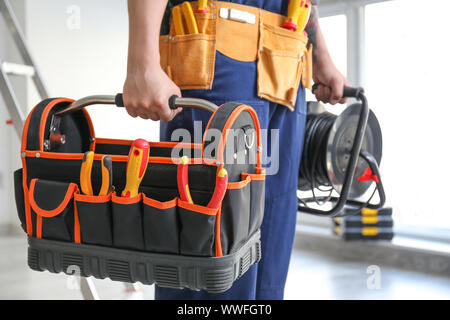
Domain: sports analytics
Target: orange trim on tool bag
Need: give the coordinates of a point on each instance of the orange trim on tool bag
(197, 208)
(158, 204)
(253, 176)
(54, 212)
(161, 144)
(229, 124)
(122, 200)
(38, 227)
(115, 158)
(218, 243)
(240, 184)
(28, 220)
(44, 117)
(92, 199)
(91, 129)
(76, 226)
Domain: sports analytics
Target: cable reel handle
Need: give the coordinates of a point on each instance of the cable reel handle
(349, 92)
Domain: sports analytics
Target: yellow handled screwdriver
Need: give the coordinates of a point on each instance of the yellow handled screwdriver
(189, 17)
(294, 8)
(202, 6)
(136, 167)
(177, 21)
(305, 12)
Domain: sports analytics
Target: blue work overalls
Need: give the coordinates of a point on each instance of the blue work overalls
(236, 81)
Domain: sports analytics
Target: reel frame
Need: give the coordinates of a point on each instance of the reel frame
(355, 155)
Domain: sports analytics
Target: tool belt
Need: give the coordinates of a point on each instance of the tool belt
(282, 55)
(155, 229)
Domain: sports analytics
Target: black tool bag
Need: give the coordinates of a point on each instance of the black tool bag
(154, 237)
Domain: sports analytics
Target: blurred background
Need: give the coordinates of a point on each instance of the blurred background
(396, 50)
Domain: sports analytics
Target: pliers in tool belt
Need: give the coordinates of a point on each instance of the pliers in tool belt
(86, 170)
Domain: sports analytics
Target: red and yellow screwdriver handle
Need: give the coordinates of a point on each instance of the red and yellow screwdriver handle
(220, 189)
(202, 6)
(136, 167)
(183, 180)
(296, 9)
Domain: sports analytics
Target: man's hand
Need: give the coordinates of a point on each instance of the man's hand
(330, 81)
(147, 89)
(146, 93)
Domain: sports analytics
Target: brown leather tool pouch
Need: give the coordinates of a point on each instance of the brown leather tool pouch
(189, 60)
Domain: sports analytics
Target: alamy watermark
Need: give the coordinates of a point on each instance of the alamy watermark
(373, 282)
(73, 21)
(232, 146)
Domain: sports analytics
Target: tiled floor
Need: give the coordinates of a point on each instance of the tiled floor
(311, 276)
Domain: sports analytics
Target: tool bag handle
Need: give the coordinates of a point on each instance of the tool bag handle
(174, 103)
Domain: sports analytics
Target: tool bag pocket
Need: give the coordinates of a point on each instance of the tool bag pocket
(127, 222)
(280, 64)
(161, 231)
(197, 229)
(52, 209)
(94, 215)
(257, 190)
(189, 60)
(20, 198)
(235, 215)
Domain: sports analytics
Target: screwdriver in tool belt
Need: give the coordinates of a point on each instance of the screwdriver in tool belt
(305, 12)
(177, 20)
(189, 17)
(136, 167)
(293, 14)
(202, 6)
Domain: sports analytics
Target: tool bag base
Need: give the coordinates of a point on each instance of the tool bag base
(214, 275)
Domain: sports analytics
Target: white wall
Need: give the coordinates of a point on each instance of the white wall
(80, 47)
(9, 142)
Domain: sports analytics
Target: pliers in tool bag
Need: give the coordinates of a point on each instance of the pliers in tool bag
(86, 170)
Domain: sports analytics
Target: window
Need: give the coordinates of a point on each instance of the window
(407, 85)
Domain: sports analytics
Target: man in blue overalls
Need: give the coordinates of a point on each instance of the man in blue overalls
(146, 93)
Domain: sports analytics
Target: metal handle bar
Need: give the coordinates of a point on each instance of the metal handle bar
(174, 103)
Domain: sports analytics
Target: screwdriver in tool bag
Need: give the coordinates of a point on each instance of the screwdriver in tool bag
(202, 6)
(177, 20)
(220, 189)
(136, 167)
(182, 180)
(189, 17)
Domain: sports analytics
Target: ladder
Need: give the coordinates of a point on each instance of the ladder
(29, 69)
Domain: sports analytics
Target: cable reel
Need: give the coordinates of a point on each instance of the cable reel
(341, 154)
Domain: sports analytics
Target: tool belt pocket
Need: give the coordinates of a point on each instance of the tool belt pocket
(94, 215)
(189, 60)
(52, 211)
(280, 64)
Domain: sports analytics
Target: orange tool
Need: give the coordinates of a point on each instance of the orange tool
(177, 20)
(202, 6)
(189, 17)
(183, 180)
(303, 18)
(86, 170)
(136, 167)
(220, 189)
